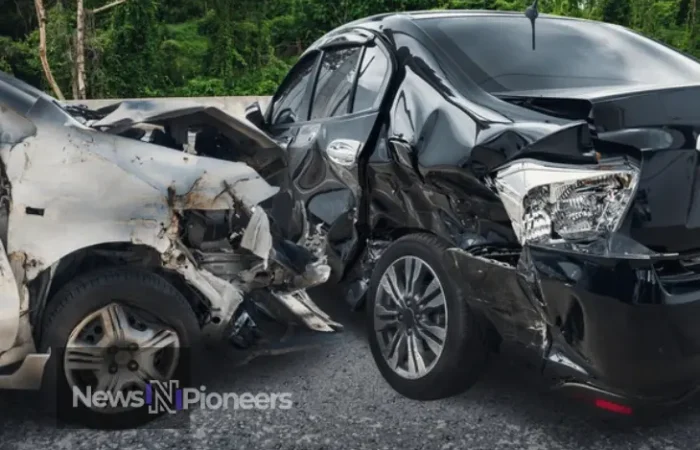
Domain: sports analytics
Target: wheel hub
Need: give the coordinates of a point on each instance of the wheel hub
(114, 349)
(410, 317)
(123, 357)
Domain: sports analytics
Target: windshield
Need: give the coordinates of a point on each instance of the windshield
(496, 53)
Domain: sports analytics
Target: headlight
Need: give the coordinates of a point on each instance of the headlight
(548, 202)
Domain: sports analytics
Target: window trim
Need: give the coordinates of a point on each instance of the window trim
(270, 113)
(318, 74)
(353, 92)
(383, 88)
(311, 87)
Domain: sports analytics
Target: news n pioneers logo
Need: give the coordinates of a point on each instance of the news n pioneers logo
(169, 397)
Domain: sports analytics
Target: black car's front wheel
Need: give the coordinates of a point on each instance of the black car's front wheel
(426, 341)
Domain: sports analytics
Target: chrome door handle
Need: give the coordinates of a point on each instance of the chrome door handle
(344, 151)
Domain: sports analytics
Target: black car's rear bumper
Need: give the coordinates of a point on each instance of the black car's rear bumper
(610, 318)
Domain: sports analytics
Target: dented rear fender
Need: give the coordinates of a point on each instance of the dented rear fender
(610, 312)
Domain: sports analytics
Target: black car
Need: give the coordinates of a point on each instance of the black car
(483, 183)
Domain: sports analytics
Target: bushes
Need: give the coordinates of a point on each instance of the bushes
(245, 47)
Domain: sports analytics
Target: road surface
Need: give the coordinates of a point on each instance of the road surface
(341, 402)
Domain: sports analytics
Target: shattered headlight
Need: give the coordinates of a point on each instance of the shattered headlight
(547, 202)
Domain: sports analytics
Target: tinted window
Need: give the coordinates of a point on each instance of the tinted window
(496, 53)
(373, 73)
(335, 82)
(288, 106)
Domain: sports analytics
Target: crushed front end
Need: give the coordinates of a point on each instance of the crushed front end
(600, 291)
(165, 189)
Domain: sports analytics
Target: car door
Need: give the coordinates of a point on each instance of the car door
(324, 151)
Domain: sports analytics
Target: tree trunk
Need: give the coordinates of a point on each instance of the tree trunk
(41, 17)
(74, 71)
(80, 51)
(108, 6)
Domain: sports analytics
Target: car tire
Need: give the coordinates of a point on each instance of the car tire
(464, 350)
(137, 294)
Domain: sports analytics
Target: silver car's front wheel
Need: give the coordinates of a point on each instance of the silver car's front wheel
(112, 332)
(410, 317)
(119, 348)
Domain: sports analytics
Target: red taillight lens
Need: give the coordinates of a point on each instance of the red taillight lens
(614, 407)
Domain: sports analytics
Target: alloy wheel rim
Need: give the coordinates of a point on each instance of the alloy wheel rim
(119, 349)
(410, 317)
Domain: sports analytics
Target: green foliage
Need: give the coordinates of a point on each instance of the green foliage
(245, 47)
(132, 57)
(18, 57)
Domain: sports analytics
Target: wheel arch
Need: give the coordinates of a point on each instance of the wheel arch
(96, 257)
(393, 234)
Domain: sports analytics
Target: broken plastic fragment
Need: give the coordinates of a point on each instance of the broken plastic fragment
(257, 237)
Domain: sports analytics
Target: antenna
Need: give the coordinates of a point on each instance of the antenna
(532, 14)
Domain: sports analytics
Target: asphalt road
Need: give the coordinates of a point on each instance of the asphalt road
(341, 402)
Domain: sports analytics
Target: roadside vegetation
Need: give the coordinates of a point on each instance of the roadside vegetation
(148, 48)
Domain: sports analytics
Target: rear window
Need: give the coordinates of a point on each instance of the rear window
(496, 53)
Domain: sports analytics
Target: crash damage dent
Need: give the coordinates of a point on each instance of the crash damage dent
(564, 300)
(357, 288)
(58, 207)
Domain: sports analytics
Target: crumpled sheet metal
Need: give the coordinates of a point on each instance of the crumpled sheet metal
(95, 188)
(74, 187)
(128, 113)
(504, 294)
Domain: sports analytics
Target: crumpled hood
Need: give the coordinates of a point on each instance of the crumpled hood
(107, 188)
(125, 114)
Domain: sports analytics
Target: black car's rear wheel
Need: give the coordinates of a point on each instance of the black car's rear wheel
(426, 341)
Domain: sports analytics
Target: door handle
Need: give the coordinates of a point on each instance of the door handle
(344, 151)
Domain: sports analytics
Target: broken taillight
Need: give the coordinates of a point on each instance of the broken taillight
(612, 406)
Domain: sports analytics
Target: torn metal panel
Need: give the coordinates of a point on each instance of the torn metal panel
(257, 237)
(500, 291)
(559, 358)
(303, 307)
(224, 296)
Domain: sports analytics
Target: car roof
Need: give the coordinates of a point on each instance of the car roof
(386, 23)
(452, 13)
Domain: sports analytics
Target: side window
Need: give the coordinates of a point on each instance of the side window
(374, 75)
(288, 104)
(335, 81)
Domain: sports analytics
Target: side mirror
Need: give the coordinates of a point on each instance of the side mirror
(254, 114)
(344, 151)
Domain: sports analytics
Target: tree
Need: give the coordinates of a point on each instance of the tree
(131, 58)
(617, 11)
(80, 50)
(41, 17)
(237, 47)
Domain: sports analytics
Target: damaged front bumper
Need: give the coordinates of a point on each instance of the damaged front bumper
(608, 317)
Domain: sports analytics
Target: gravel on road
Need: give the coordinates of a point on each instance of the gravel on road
(341, 402)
